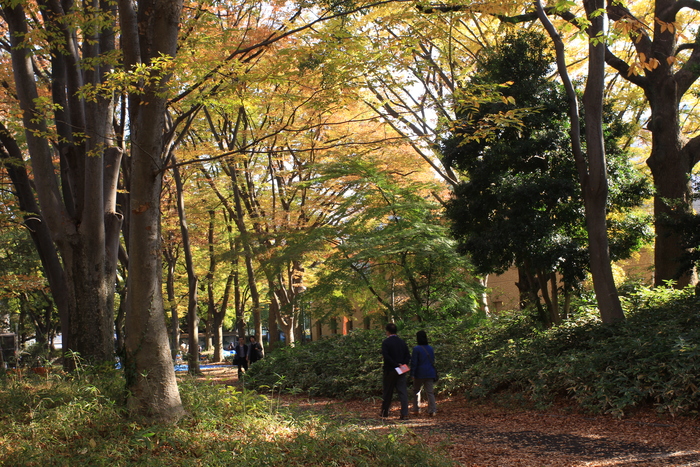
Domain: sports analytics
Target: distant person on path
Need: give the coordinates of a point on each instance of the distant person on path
(423, 372)
(395, 353)
(255, 350)
(241, 358)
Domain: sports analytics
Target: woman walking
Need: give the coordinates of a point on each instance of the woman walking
(423, 372)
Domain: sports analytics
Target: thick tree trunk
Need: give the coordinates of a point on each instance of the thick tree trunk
(150, 376)
(670, 167)
(80, 217)
(149, 32)
(672, 157)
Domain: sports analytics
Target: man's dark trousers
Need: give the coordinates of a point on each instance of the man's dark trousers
(390, 381)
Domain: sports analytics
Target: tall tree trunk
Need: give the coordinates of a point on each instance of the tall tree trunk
(238, 299)
(591, 167)
(272, 321)
(248, 254)
(171, 260)
(192, 279)
(149, 31)
(79, 211)
(671, 168)
(594, 182)
(672, 156)
(217, 314)
(38, 229)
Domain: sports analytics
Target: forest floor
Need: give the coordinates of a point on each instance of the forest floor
(481, 434)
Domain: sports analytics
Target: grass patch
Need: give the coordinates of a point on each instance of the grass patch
(63, 420)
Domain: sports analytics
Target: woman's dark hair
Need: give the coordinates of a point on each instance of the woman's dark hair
(422, 338)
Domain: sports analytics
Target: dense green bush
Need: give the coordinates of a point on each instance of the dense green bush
(652, 359)
(340, 366)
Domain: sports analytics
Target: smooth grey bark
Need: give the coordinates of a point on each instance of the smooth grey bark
(591, 165)
(149, 30)
(83, 222)
(192, 279)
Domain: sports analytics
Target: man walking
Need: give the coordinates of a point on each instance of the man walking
(395, 353)
(241, 358)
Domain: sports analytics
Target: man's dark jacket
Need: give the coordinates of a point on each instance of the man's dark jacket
(395, 352)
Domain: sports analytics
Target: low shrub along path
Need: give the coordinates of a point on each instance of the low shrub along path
(479, 434)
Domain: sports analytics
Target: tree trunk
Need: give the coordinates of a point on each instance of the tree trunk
(272, 322)
(79, 211)
(595, 183)
(38, 230)
(148, 32)
(672, 156)
(171, 260)
(248, 254)
(591, 167)
(671, 168)
(237, 299)
(192, 279)
(484, 302)
(525, 287)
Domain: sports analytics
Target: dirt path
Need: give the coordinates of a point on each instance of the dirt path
(483, 435)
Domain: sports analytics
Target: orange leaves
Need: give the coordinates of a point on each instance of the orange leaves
(14, 284)
(670, 27)
(644, 64)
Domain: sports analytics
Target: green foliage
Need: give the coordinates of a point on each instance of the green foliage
(350, 366)
(61, 420)
(521, 203)
(652, 359)
(340, 366)
(397, 245)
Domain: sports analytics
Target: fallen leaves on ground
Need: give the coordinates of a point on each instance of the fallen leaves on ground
(480, 434)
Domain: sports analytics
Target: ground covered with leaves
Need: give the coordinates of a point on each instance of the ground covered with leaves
(483, 434)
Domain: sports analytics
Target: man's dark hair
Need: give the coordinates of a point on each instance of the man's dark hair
(391, 328)
(422, 338)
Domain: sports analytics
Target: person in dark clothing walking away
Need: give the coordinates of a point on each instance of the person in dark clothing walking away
(241, 358)
(395, 353)
(423, 372)
(255, 350)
